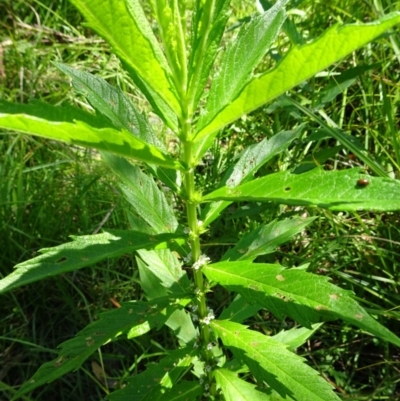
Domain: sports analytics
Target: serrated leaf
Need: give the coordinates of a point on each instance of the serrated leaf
(256, 155)
(180, 322)
(27, 119)
(162, 274)
(82, 252)
(253, 157)
(265, 239)
(164, 266)
(235, 389)
(241, 57)
(206, 40)
(124, 26)
(112, 103)
(333, 190)
(301, 63)
(305, 297)
(143, 194)
(149, 281)
(110, 325)
(156, 379)
(296, 337)
(271, 362)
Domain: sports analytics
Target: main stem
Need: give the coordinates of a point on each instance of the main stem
(192, 201)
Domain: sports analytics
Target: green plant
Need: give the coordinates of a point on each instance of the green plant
(215, 356)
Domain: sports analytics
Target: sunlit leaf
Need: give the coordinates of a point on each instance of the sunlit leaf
(271, 362)
(241, 57)
(84, 251)
(301, 63)
(266, 238)
(111, 102)
(334, 190)
(252, 158)
(40, 121)
(305, 297)
(124, 26)
(295, 337)
(206, 40)
(143, 193)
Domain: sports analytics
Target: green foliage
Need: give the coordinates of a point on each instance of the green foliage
(83, 251)
(175, 274)
(336, 190)
(270, 361)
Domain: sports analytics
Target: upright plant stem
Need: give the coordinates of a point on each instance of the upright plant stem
(191, 212)
(187, 92)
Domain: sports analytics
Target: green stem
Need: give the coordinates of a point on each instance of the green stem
(192, 200)
(191, 211)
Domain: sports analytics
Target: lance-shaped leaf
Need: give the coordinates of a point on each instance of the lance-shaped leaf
(265, 239)
(206, 40)
(144, 195)
(39, 120)
(110, 325)
(124, 26)
(111, 102)
(253, 157)
(156, 379)
(305, 297)
(301, 63)
(296, 337)
(334, 190)
(161, 274)
(235, 389)
(162, 267)
(272, 362)
(241, 57)
(82, 252)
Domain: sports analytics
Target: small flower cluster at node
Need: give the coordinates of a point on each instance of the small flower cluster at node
(211, 345)
(204, 382)
(208, 368)
(207, 320)
(203, 260)
(186, 230)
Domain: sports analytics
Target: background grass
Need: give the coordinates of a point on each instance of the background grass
(49, 191)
